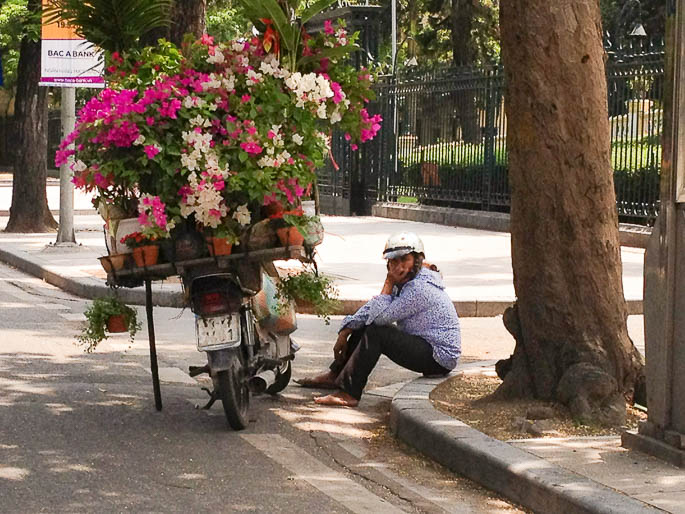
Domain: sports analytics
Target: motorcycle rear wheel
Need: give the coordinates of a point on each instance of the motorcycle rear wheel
(233, 391)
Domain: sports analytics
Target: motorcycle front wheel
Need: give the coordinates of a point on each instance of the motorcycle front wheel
(234, 394)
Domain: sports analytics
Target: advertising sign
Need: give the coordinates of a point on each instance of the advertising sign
(68, 60)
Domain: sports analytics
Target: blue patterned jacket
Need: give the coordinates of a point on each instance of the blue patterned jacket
(422, 308)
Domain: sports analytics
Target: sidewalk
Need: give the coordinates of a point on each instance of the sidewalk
(476, 264)
(547, 475)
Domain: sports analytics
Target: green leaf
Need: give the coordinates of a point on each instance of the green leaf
(113, 25)
(242, 156)
(272, 10)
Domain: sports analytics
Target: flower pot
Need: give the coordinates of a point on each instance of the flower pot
(146, 255)
(117, 324)
(114, 262)
(289, 236)
(219, 246)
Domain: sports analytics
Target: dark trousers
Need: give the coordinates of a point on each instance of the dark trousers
(364, 348)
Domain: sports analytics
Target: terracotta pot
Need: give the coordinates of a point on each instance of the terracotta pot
(289, 236)
(146, 255)
(219, 246)
(114, 262)
(116, 324)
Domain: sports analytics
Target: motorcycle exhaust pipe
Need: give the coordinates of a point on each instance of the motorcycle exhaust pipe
(261, 381)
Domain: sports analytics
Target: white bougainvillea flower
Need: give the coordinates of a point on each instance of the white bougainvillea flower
(242, 215)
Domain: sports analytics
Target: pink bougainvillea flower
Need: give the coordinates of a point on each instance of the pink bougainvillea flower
(151, 151)
(338, 95)
(219, 185)
(62, 157)
(245, 98)
(328, 27)
(354, 147)
(100, 180)
(251, 148)
(143, 220)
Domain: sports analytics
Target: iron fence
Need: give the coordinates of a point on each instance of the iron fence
(444, 140)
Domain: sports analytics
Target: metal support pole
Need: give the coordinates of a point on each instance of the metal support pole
(393, 30)
(65, 234)
(153, 349)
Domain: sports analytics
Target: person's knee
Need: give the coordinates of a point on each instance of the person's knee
(374, 331)
(378, 335)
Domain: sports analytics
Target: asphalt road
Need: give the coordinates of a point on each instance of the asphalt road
(79, 432)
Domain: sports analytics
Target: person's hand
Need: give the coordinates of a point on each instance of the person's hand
(341, 344)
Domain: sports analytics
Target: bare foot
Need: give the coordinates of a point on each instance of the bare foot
(339, 399)
(323, 381)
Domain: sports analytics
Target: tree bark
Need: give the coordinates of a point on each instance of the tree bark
(463, 55)
(29, 211)
(569, 320)
(188, 16)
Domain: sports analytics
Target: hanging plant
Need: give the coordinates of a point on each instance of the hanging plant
(98, 317)
(309, 288)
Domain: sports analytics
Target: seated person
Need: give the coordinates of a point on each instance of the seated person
(426, 339)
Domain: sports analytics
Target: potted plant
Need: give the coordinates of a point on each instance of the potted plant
(178, 137)
(311, 291)
(105, 315)
(144, 248)
(220, 240)
(114, 262)
(291, 225)
(299, 229)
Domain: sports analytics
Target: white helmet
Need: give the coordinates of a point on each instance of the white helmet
(401, 244)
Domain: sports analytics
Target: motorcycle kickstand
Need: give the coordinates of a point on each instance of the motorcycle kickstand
(212, 398)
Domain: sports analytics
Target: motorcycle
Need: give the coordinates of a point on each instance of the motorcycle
(246, 354)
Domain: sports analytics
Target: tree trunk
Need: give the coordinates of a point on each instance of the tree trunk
(569, 321)
(29, 211)
(188, 16)
(463, 55)
(461, 18)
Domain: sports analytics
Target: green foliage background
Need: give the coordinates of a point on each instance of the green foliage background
(16, 22)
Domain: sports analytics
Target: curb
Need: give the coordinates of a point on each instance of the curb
(635, 236)
(55, 212)
(524, 478)
(86, 286)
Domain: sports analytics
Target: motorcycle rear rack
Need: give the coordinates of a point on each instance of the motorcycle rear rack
(135, 276)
